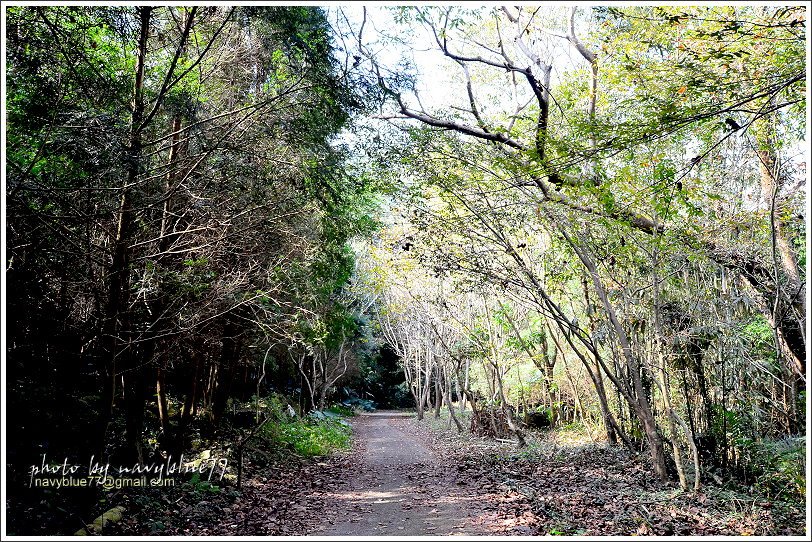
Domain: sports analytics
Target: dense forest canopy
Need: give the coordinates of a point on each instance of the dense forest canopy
(618, 189)
(534, 215)
(178, 216)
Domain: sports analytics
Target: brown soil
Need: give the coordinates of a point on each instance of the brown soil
(400, 487)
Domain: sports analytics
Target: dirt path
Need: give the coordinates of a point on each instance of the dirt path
(401, 488)
(404, 478)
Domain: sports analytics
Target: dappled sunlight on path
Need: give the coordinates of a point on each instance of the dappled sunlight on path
(401, 488)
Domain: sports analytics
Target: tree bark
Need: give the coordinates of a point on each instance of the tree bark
(438, 395)
(451, 412)
(229, 354)
(160, 392)
(116, 321)
(641, 404)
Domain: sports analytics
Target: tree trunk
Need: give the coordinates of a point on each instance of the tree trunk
(225, 370)
(425, 392)
(160, 392)
(451, 413)
(438, 395)
(654, 441)
(417, 390)
(323, 398)
(671, 415)
(771, 184)
(608, 420)
(506, 409)
(641, 403)
(134, 398)
(460, 395)
(117, 324)
(783, 255)
(190, 401)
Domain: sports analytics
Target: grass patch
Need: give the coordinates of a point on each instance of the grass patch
(311, 438)
(317, 434)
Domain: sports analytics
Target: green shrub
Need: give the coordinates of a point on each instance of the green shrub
(274, 405)
(198, 485)
(318, 434)
(312, 437)
(783, 468)
(342, 410)
(363, 404)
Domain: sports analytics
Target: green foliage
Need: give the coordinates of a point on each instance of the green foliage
(200, 486)
(342, 410)
(273, 405)
(759, 337)
(362, 404)
(783, 468)
(311, 438)
(207, 244)
(777, 467)
(318, 434)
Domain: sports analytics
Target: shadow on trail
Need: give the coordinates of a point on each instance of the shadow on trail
(401, 487)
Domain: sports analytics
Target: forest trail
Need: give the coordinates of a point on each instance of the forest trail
(400, 487)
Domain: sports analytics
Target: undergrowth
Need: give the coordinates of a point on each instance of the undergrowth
(310, 437)
(317, 434)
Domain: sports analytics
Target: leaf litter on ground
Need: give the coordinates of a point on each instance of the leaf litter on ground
(550, 488)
